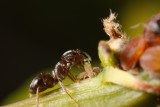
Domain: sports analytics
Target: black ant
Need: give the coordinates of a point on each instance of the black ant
(62, 69)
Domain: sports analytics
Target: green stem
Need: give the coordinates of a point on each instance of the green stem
(88, 93)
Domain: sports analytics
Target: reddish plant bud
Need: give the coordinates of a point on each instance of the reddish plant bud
(151, 31)
(131, 52)
(150, 59)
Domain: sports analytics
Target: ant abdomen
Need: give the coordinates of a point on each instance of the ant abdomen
(42, 81)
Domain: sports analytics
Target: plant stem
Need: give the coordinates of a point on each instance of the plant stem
(88, 93)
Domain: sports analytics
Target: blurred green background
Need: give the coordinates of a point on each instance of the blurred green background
(35, 33)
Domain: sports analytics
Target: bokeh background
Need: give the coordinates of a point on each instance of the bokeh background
(35, 33)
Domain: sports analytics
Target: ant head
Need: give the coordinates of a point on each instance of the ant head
(87, 56)
(43, 81)
(75, 56)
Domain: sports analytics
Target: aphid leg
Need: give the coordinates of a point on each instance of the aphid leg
(96, 70)
(37, 100)
(72, 77)
(82, 76)
(30, 95)
(63, 87)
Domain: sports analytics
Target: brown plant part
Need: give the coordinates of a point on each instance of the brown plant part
(112, 28)
(150, 59)
(126, 79)
(134, 71)
(117, 44)
(131, 52)
(152, 30)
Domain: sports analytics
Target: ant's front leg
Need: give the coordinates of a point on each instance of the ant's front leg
(79, 65)
(72, 77)
(63, 87)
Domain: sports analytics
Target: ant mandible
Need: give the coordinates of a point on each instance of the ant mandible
(62, 69)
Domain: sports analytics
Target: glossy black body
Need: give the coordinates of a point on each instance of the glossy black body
(62, 69)
(43, 81)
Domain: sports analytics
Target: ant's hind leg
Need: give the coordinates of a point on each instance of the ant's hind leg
(37, 99)
(63, 87)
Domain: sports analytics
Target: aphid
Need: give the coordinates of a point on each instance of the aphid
(89, 71)
(131, 52)
(151, 31)
(62, 69)
(150, 59)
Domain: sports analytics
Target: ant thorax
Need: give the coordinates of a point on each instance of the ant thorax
(61, 70)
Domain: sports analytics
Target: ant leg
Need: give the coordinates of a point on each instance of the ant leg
(37, 102)
(79, 65)
(96, 70)
(72, 77)
(63, 87)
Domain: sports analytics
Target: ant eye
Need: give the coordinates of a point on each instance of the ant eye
(150, 59)
(152, 31)
(131, 52)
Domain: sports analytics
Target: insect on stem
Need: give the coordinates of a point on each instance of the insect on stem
(62, 69)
